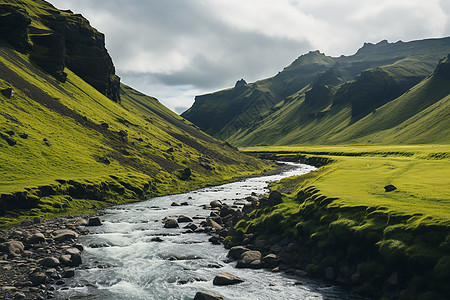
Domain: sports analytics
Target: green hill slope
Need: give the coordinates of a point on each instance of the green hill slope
(65, 147)
(323, 100)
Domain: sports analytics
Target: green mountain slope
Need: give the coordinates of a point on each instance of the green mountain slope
(66, 147)
(320, 99)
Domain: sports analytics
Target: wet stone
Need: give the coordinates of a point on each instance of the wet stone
(203, 295)
(227, 279)
(94, 221)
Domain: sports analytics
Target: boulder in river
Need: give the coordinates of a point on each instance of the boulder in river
(207, 296)
(236, 251)
(211, 223)
(184, 219)
(270, 260)
(94, 221)
(170, 223)
(215, 203)
(227, 279)
(249, 259)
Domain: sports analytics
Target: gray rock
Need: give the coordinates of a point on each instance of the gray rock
(75, 260)
(390, 188)
(65, 259)
(227, 279)
(211, 223)
(191, 226)
(184, 219)
(252, 199)
(78, 246)
(236, 251)
(81, 222)
(94, 221)
(12, 247)
(64, 235)
(175, 204)
(270, 260)
(38, 278)
(215, 203)
(73, 251)
(68, 273)
(207, 296)
(274, 198)
(49, 262)
(170, 223)
(36, 238)
(249, 259)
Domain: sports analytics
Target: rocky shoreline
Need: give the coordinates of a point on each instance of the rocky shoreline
(38, 255)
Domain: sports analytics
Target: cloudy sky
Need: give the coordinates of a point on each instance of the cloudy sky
(177, 49)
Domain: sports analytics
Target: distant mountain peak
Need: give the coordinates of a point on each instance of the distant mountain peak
(240, 82)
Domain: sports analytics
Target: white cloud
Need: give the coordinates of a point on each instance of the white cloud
(175, 49)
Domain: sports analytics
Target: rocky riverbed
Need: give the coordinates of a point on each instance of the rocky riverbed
(39, 255)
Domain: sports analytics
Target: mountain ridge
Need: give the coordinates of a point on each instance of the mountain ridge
(316, 87)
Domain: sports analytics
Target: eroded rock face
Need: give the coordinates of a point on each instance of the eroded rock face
(13, 27)
(69, 42)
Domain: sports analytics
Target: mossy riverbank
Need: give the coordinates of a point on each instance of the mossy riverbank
(380, 244)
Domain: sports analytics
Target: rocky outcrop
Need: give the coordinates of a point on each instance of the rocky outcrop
(69, 42)
(13, 27)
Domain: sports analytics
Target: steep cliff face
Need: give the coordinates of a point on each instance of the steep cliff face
(58, 39)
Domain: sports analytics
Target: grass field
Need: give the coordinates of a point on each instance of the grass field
(421, 174)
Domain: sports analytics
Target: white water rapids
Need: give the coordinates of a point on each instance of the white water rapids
(130, 264)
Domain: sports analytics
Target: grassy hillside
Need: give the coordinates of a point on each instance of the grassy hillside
(389, 245)
(418, 116)
(381, 94)
(65, 147)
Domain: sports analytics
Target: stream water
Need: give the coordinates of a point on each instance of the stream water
(123, 260)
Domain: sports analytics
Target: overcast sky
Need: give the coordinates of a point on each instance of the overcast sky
(177, 49)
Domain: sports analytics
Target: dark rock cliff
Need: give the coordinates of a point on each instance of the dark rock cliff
(59, 39)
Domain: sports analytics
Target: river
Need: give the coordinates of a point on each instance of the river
(123, 258)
